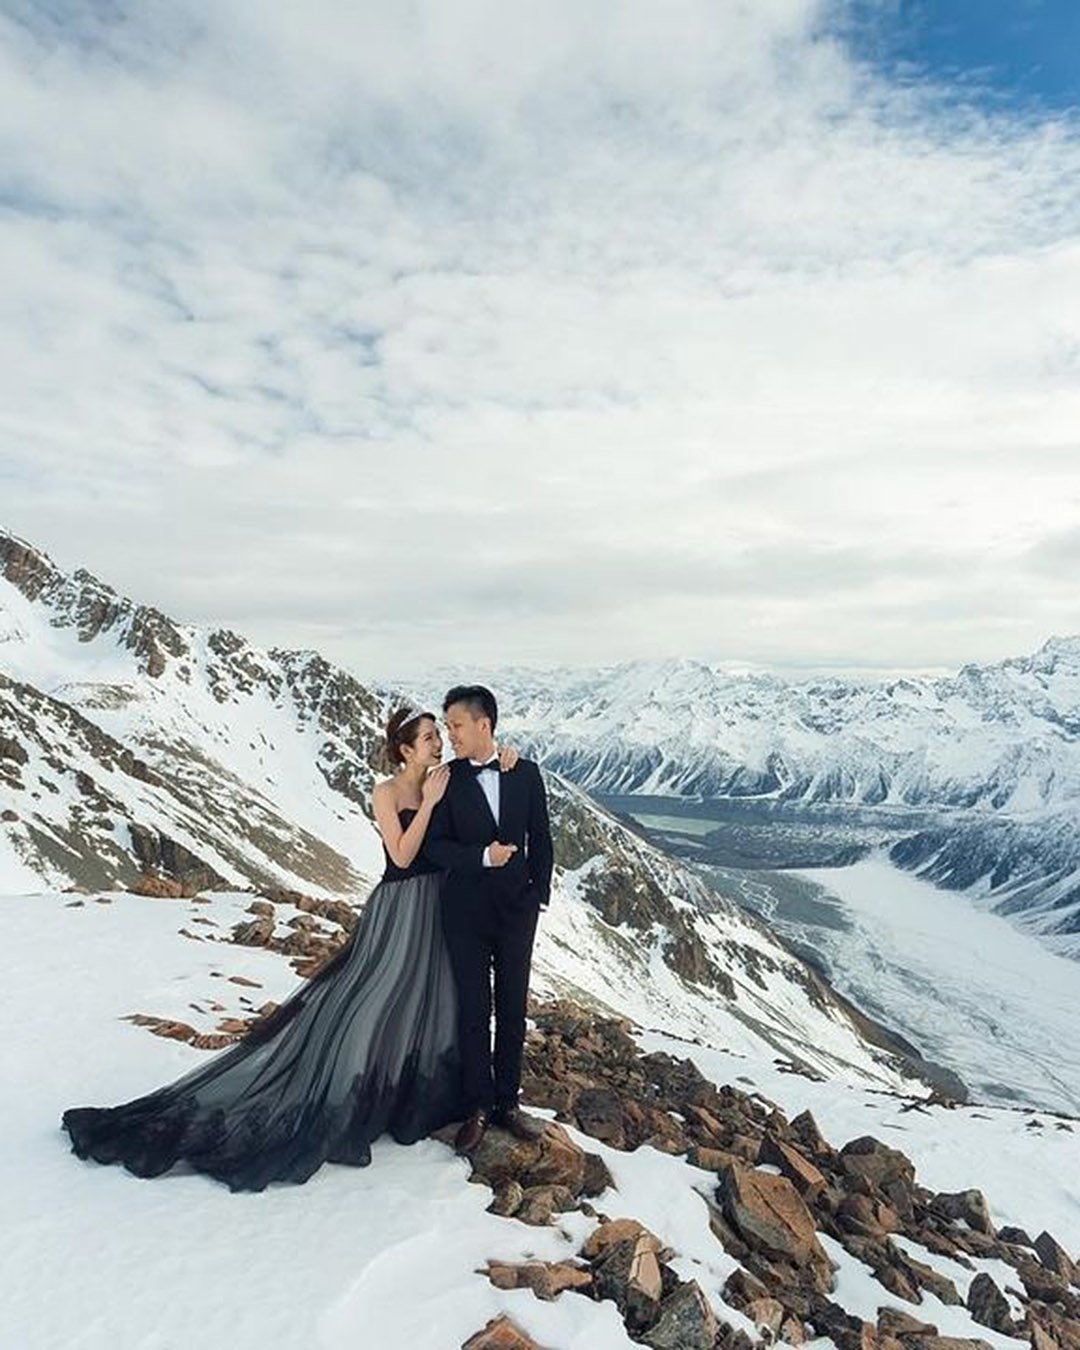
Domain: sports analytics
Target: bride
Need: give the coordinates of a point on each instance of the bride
(368, 1045)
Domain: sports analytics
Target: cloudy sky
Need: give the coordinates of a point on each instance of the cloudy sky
(556, 331)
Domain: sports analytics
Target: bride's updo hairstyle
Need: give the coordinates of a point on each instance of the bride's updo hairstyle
(402, 729)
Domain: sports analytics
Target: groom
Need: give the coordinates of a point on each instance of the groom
(491, 835)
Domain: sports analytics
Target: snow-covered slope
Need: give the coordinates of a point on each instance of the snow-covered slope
(129, 742)
(386, 1255)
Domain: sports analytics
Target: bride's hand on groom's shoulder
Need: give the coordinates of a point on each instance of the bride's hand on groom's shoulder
(508, 758)
(434, 784)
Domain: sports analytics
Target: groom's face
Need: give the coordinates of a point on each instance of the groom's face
(469, 735)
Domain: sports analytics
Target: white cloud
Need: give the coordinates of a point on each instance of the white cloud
(613, 329)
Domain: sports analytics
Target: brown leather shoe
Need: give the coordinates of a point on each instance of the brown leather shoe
(521, 1126)
(472, 1132)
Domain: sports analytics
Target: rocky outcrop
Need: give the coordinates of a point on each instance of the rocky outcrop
(780, 1185)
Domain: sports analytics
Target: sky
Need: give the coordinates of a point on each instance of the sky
(552, 332)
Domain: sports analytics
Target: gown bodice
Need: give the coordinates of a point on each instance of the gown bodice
(419, 866)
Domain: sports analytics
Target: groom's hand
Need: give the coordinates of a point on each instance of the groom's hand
(500, 854)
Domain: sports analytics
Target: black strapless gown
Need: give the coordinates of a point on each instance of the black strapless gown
(368, 1046)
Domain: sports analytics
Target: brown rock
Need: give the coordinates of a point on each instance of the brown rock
(607, 1235)
(867, 1216)
(803, 1175)
(1041, 1283)
(686, 1321)
(599, 1113)
(1054, 1257)
(725, 1233)
(929, 1279)
(500, 1334)
(1049, 1325)
(814, 1144)
(869, 1160)
(596, 1178)
(710, 1159)
(164, 888)
(1017, 1237)
(741, 1289)
(989, 1306)
(766, 1314)
(629, 1273)
(770, 1214)
(552, 1160)
(547, 1279)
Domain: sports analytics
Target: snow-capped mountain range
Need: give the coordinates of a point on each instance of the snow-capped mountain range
(974, 778)
(994, 737)
(130, 743)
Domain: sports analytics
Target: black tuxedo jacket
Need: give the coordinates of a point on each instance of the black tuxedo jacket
(462, 826)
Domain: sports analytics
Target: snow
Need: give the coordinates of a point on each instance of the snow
(385, 1255)
(968, 988)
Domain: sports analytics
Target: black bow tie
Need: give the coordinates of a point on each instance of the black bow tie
(479, 768)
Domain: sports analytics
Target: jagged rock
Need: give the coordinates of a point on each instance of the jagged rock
(1041, 1283)
(742, 1287)
(596, 1179)
(500, 1334)
(969, 1206)
(869, 1160)
(770, 1214)
(803, 1175)
(1054, 1257)
(949, 1244)
(686, 1321)
(552, 1160)
(724, 1231)
(1050, 1330)
(610, 1234)
(866, 1216)
(629, 1273)
(547, 1279)
(926, 1277)
(843, 1328)
(989, 1306)
(1016, 1236)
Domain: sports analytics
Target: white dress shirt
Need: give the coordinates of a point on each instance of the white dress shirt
(489, 786)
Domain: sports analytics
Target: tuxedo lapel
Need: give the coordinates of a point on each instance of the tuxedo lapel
(479, 798)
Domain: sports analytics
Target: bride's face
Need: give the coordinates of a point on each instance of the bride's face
(426, 750)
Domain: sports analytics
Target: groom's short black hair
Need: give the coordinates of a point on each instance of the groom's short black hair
(479, 701)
